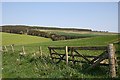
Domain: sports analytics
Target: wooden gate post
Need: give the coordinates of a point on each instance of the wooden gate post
(66, 52)
(111, 57)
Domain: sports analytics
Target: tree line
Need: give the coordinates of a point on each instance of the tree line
(35, 31)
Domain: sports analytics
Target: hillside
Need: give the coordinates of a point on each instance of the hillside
(53, 33)
(43, 67)
(18, 39)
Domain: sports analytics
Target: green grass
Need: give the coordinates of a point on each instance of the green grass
(99, 40)
(18, 39)
(72, 34)
(43, 67)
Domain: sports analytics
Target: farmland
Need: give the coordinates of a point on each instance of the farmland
(43, 67)
(17, 39)
(53, 33)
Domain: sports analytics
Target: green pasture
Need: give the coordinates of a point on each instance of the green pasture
(43, 67)
(72, 34)
(19, 39)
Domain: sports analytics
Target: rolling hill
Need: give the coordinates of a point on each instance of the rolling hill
(44, 67)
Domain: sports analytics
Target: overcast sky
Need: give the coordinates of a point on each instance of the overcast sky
(93, 15)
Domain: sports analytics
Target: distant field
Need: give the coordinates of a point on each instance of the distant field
(18, 39)
(78, 33)
(72, 34)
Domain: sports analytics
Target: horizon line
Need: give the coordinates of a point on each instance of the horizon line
(55, 27)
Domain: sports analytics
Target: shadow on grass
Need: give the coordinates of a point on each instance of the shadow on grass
(100, 71)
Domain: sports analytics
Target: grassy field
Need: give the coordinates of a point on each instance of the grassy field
(43, 67)
(18, 39)
(70, 33)
(77, 33)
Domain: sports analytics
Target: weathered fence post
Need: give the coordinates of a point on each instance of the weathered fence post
(6, 49)
(40, 50)
(111, 57)
(23, 49)
(12, 48)
(66, 52)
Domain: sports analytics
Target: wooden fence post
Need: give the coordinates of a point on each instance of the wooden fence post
(111, 57)
(6, 49)
(40, 50)
(23, 49)
(66, 52)
(12, 48)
